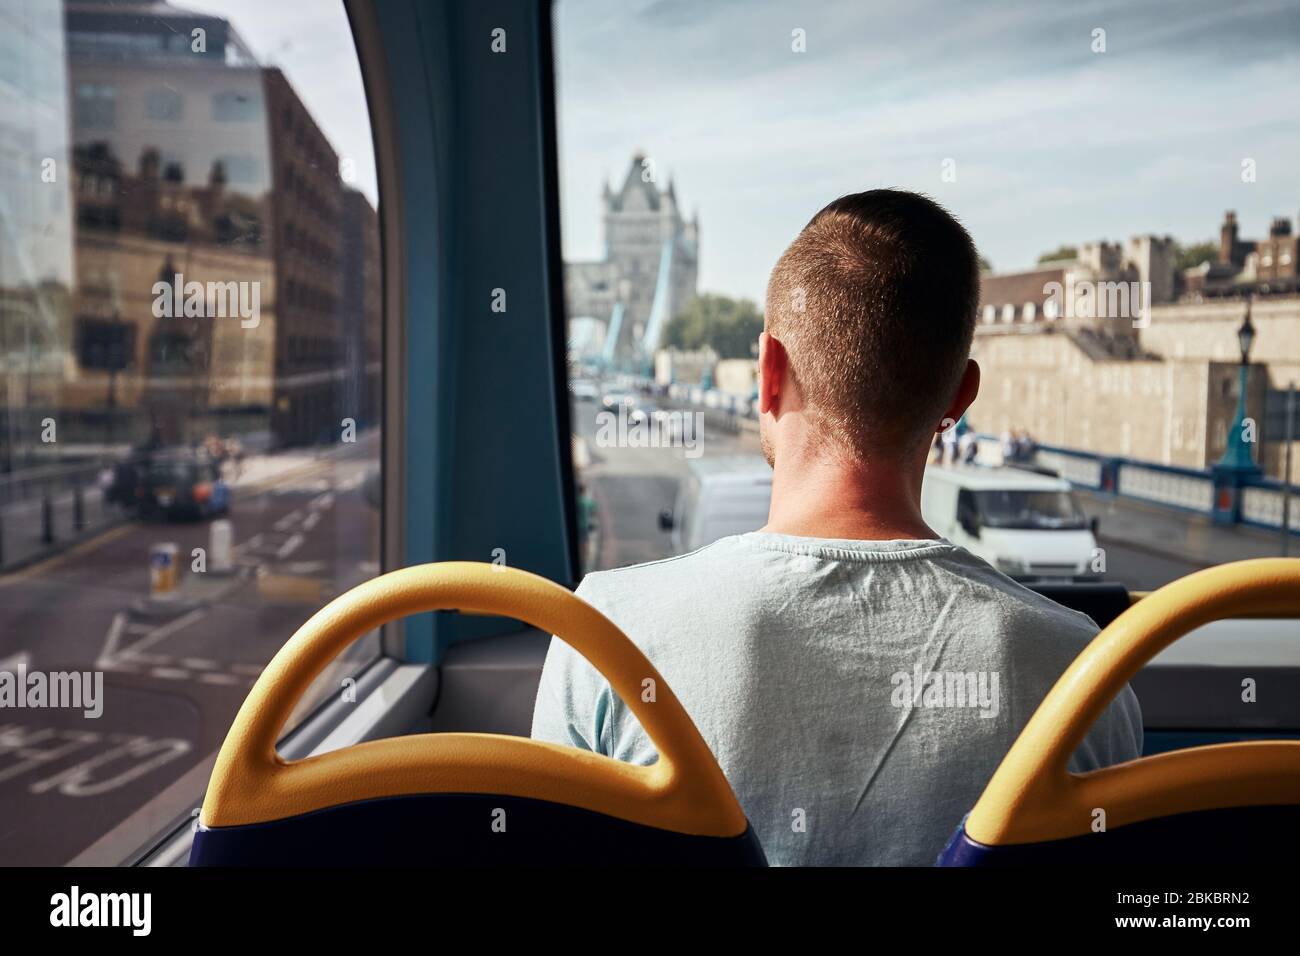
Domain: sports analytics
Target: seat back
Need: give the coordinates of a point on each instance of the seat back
(1234, 802)
(449, 799)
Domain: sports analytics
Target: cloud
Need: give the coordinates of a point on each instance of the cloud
(1053, 142)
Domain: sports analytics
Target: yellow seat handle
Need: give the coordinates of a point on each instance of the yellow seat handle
(684, 790)
(1032, 796)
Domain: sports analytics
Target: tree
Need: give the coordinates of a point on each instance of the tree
(1188, 256)
(729, 326)
(1064, 252)
(985, 265)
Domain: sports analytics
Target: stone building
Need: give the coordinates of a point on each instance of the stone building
(1068, 389)
(1258, 266)
(307, 209)
(1157, 383)
(1106, 287)
(192, 159)
(363, 298)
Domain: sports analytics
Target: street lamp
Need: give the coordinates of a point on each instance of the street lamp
(1246, 336)
(1237, 456)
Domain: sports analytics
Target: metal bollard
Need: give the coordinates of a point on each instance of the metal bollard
(47, 519)
(78, 508)
(221, 536)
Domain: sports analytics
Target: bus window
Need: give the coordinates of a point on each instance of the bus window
(190, 403)
(1138, 329)
(1139, 333)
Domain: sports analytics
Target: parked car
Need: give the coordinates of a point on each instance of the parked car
(583, 390)
(181, 485)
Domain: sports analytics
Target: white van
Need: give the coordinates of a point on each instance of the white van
(721, 496)
(1028, 526)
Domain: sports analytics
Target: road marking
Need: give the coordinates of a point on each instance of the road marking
(290, 587)
(289, 547)
(292, 518)
(18, 739)
(109, 653)
(16, 661)
(170, 673)
(224, 680)
(76, 551)
(164, 632)
(112, 655)
(147, 753)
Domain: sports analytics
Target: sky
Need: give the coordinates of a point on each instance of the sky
(1051, 142)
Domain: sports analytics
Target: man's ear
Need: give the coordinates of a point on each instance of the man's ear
(967, 389)
(772, 361)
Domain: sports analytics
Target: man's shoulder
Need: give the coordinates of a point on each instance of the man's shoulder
(673, 595)
(649, 576)
(1023, 609)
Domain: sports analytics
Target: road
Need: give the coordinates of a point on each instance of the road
(632, 485)
(173, 679)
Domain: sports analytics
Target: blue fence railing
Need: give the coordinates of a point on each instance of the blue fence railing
(1224, 496)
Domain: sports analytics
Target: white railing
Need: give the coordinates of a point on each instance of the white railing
(1076, 470)
(1264, 506)
(1166, 487)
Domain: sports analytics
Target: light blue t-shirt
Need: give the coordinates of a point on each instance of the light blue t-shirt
(858, 695)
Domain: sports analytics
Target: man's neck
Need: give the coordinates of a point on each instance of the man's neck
(830, 498)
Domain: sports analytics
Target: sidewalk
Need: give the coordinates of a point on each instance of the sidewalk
(22, 525)
(1179, 534)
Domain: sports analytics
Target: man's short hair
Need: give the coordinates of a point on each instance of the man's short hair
(875, 303)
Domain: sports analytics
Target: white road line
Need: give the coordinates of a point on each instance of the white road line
(289, 547)
(222, 680)
(108, 655)
(163, 632)
(169, 673)
(292, 518)
(156, 660)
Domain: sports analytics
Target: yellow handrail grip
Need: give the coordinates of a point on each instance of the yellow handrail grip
(684, 790)
(1032, 796)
